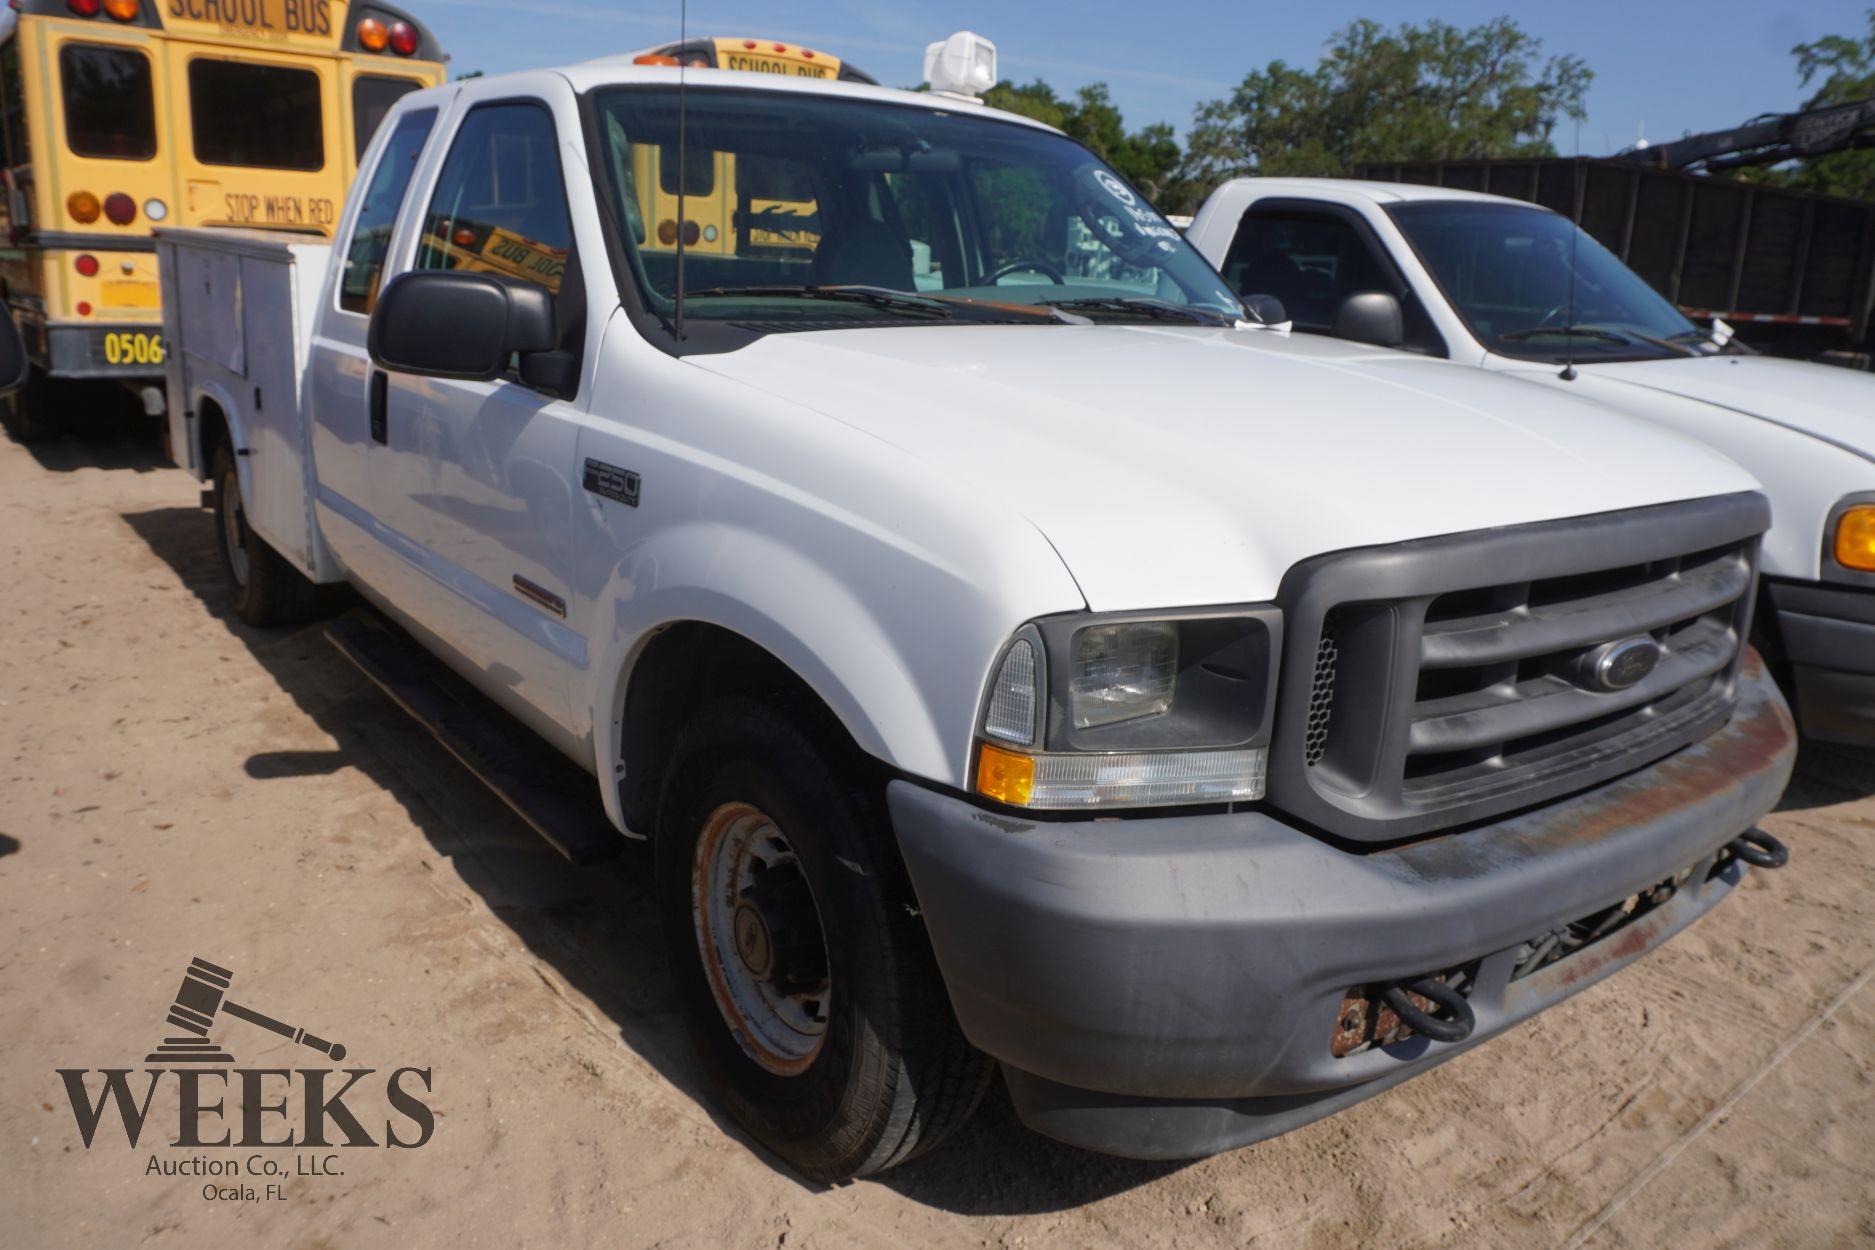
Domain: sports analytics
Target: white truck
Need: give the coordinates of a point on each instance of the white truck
(1043, 667)
(1515, 288)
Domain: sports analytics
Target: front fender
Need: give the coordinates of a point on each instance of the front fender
(900, 659)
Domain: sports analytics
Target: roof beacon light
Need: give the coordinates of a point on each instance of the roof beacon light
(403, 38)
(963, 66)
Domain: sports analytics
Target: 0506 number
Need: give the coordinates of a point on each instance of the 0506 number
(129, 348)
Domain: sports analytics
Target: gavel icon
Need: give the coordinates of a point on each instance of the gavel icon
(204, 993)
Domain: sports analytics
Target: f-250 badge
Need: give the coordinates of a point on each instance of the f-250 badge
(612, 482)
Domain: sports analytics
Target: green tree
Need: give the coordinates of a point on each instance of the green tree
(1846, 66)
(1147, 158)
(1431, 92)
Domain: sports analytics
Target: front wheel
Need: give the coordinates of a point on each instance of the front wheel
(264, 589)
(808, 986)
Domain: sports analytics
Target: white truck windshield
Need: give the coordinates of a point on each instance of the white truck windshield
(1505, 269)
(804, 207)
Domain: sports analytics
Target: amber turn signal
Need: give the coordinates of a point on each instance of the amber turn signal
(84, 207)
(1855, 539)
(1006, 776)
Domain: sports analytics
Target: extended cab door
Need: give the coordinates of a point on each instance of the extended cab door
(472, 481)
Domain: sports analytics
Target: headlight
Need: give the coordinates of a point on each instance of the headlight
(1855, 538)
(1086, 711)
(1122, 672)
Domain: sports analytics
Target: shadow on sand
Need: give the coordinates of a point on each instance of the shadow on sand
(595, 926)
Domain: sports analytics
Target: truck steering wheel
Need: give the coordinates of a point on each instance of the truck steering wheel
(1028, 264)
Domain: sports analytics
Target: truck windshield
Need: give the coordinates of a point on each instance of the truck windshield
(811, 209)
(1505, 268)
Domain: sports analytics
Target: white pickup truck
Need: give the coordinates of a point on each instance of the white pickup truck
(1013, 653)
(1487, 281)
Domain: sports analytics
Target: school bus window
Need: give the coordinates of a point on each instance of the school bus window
(260, 116)
(13, 104)
(767, 178)
(377, 214)
(110, 108)
(372, 97)
(699, 170)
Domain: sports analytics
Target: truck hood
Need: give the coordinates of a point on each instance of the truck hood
(1175, 466)
(1823, 401)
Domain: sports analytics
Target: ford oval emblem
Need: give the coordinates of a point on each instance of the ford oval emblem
(1619, 665)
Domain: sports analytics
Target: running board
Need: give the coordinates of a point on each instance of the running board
(545, 789)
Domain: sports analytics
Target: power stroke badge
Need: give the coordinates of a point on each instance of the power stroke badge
(257, 1129)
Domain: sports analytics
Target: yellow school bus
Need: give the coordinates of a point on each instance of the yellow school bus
(119, 115)
(734, 207)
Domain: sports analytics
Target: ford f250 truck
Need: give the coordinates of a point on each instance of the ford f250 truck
(1518, 289)
(1013, 653)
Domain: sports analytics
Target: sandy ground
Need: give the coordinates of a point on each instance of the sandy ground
(174, 784)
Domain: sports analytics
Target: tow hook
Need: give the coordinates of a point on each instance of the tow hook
(1456, 1029)
(1759, 849)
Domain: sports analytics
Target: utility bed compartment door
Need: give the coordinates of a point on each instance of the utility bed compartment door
(236, 313)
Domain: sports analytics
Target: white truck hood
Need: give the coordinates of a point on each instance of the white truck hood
(1174, 466)
(1834, 404)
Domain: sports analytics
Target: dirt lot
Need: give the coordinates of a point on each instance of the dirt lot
(175, 784)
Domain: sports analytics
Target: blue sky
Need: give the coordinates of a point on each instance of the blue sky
(1674, 67)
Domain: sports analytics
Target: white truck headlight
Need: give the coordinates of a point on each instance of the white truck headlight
(1087, 711)
(1122, 672)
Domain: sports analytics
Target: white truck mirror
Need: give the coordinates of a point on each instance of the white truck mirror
(963, 65)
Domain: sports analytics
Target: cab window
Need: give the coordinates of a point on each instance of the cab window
(500, 203)
(1309, 261)
(377, 213)
(372, 97)
(110, 108)
(259, 116)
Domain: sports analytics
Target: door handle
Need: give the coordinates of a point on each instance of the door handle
(380, 398)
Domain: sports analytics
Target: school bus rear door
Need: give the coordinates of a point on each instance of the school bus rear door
(261, 138)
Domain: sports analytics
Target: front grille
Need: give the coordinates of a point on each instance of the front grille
(1454, 678)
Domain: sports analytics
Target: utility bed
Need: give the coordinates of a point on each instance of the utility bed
(239, 306)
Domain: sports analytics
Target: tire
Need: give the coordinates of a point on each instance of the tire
(36, 412)
(889, 1074)
(264, 589)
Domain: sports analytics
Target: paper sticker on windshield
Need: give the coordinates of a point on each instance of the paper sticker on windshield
(1117, 189)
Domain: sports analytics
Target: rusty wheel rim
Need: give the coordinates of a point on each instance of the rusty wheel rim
(758, 930)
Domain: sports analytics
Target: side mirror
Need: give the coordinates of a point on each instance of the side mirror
(1266, 308)
(13, 361)
(447, 324)
(1371, 317)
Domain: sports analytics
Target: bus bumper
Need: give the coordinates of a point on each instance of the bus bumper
(126, 352)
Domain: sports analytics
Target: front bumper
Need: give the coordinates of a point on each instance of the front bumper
(1167, 988)
(1828, 636)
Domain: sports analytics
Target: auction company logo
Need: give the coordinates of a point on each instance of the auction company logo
(192, 1070)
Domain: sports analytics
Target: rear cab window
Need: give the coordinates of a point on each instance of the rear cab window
(383, 198)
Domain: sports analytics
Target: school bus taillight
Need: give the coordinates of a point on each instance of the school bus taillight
(84, 207)
(86, 265)
(120, 209)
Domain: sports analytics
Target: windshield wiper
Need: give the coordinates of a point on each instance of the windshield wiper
(1142, 306)
(876, 296)
(1579, 332)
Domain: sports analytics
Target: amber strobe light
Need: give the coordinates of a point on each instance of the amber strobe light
(1855, 539)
